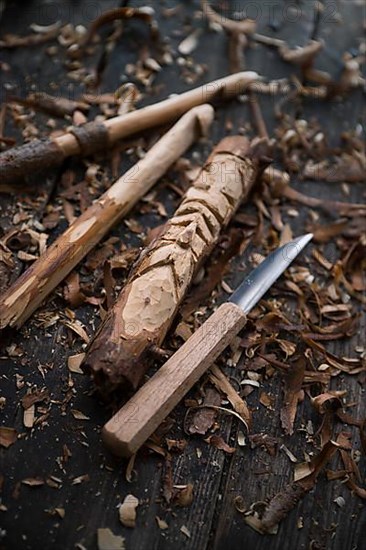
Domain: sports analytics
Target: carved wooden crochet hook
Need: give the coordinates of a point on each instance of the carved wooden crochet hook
(89, 138)
(133, 424)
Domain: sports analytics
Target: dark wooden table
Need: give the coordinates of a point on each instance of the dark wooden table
(212, 519)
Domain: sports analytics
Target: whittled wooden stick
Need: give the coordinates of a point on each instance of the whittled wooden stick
(120, 354)
(132, 425)
(40, 155)
(28, 292)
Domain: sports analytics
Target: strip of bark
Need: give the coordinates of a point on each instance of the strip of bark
(29, 291)
(55, 106)
(120, 354)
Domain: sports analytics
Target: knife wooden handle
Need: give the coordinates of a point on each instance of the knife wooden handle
(133, 424)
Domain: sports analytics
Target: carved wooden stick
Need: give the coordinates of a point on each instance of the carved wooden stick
(121, 352)
(92, 137)
(27, 293)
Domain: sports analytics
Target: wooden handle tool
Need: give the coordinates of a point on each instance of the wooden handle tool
(133, 424)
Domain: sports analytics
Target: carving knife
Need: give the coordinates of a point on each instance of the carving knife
(133, 424)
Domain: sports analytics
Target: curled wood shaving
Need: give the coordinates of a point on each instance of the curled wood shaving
(350, 466)
(76, 327)
(205, 416)
(74, 362)
(353, 266)
(145, 13)
(340, 363)
(79, 415)
(288, 453)
(218, 378)
(7, 266)
(303, 55)
(129, 470)
(218, 442)
(185, 531)
(35, 396)
(226, 411)
(294, 378)
(72, 292)
(190, 43)
(326, 401)
(346, 168)
(350, 78)
(264, 440)
(156, 448)
(80, 479)
(323, 233)
(282, 503)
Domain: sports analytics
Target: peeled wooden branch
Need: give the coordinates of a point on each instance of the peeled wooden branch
(279, 181)
(145, 13)
(238, 31)
(121, 351)
(40, 155)
(55, 106)
(28, 292)
(303, 56)
(243, 26)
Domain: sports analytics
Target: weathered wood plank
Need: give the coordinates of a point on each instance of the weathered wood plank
(217, 478)
(323, 522)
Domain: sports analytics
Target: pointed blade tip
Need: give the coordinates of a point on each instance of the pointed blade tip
(303, 240)
(298, 245)
(261, 278)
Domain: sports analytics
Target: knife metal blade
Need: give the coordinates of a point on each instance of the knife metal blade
(256, 284)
